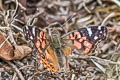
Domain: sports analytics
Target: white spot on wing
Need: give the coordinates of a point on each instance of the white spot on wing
(40, 36)
(89, 31)
(31, 37)
(27, 32)
(26, 27)
(87, 44)
(79, 36)
(95, 37)
(33, 31)
(99, 27)
(101, 32)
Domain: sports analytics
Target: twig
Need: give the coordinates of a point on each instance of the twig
(4, 42)
(105, 60)
(109, 16)
(30, 78)
(84, 19)
(10, 33)
(67, 34)
(14, 76)
(1, 6)
(21, 6)
(34, 16)
(7, 28)
(99, 66)
(16, 69)
(117, 2)
(26, 67)
(73, 77)
(6, 18)
(99, 2)
(107, 46)
(17, 27)
(84, 5)
(15, 11)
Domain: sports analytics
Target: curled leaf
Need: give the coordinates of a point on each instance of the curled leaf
(8, 52)
(6, 49)
(21, 51)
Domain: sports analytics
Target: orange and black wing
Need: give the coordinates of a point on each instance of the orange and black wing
(47, 55)
(37, 36)
(86, 39)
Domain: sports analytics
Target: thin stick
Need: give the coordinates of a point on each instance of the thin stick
(117, 2)
(109, 16)
(4, 42)
(6, 28)
(67, 34)
(17, 27)
(16, 69)
(105, 60)
(69, 19)
(15, 11)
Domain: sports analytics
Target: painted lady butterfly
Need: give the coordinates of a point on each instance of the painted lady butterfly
(54, 48)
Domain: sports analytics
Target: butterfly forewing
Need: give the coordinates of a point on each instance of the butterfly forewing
(37, 36)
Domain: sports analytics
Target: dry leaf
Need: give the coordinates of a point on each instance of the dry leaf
(21, 51)
(7, 51)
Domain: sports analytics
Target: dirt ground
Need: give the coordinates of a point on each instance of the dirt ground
(19, 59)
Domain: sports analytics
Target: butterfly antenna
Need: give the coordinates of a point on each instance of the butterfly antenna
(73, 15)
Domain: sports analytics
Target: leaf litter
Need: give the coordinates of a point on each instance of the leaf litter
(24, 64)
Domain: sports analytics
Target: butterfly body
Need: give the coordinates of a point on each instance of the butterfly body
(58, 48)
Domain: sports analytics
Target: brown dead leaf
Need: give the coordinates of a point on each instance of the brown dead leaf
(21, 51)
(7, 51)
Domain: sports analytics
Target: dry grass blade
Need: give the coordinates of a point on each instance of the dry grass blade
(108, 17)
(99, 66)
(16, 69)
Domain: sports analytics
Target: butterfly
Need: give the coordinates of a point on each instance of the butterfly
(55, 48)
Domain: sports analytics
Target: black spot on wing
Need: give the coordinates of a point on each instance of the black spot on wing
(30, 34)
(96, 32)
